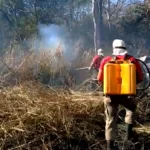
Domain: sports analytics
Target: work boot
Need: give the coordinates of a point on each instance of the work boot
(110, 145)
(129, 132)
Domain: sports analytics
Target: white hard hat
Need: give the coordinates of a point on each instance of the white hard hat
(117, 43)
(100, 52)
(119, 47)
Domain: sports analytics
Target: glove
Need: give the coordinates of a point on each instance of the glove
(99, 83)
(89, 68)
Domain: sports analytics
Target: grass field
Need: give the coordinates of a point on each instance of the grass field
(34, 117)
(38, 117)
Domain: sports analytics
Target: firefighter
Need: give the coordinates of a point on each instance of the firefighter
(97, 60)
(112, 103)
(95, 65)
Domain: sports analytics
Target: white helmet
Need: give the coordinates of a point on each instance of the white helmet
(119, 47)
(100, 52)
(117, 43)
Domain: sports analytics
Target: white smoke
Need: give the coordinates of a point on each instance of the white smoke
(51, 36)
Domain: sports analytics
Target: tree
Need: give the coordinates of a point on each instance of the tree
(134, 27)
(97, 10)
(20, 20)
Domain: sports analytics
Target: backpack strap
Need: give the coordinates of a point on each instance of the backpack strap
(129, 58)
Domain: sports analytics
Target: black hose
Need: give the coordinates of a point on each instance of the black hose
(147, 72)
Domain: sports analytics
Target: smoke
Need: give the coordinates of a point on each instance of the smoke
(50, 37)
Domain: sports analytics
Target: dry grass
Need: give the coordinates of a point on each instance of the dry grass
(17, 66)
(33, 116)
(36, 117)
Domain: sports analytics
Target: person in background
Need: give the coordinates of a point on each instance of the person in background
(94, 67)
(112, 103)
(97, 60)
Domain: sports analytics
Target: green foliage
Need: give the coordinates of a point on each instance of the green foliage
(20, 19)
(133, 20)
(135, 24)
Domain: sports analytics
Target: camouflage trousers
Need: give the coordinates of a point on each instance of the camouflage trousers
(111, 109)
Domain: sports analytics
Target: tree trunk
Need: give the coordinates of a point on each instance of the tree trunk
(98, 23)
(108, 15)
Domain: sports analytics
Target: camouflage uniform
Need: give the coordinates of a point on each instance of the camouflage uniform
(111, 110)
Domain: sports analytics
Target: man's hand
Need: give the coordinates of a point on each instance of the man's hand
(99, 83)
(90, 68)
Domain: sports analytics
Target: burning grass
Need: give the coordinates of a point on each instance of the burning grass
(33, 116)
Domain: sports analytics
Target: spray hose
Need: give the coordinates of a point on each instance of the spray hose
(145, 88)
